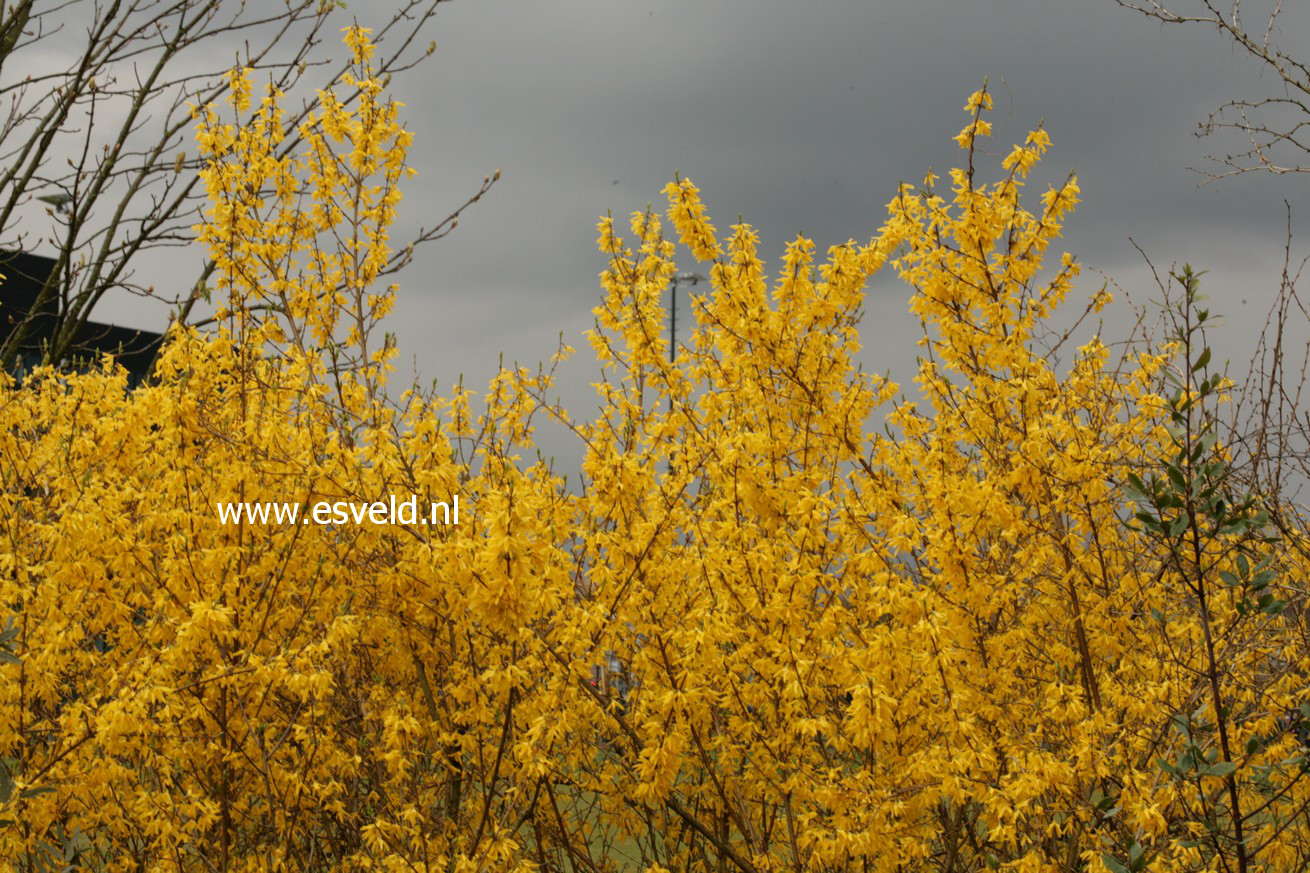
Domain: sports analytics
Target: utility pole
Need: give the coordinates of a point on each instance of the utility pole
(678, 279)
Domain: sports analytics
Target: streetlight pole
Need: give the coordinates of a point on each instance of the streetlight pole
(678, 278)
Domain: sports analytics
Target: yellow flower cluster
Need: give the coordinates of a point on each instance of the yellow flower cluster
(796, 617)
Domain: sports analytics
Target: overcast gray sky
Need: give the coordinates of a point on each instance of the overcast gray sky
(803, 117)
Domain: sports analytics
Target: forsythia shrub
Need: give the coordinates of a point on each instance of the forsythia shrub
(794, 618)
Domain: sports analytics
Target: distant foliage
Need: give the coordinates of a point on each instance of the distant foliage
(796, 616)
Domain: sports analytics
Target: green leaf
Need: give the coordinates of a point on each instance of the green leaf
(1113, 864)
(1223, 769)
(1203, 360)
(1176, 476)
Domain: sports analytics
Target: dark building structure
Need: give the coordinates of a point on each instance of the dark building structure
(25, 274)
